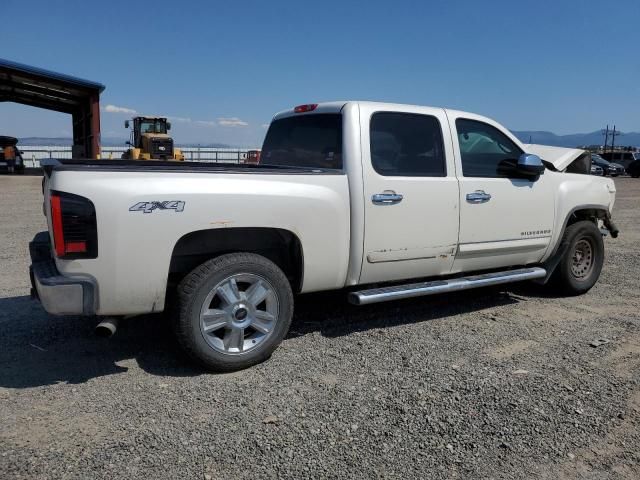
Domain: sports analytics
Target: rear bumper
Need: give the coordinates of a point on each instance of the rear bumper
(59, 295)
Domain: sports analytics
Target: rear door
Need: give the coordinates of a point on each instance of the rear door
(410, 193)
(505, 220)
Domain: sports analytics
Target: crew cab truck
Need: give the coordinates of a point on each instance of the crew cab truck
(383, 200)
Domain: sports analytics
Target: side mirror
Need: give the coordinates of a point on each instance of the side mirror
(168, 126)
(126, 124)
(128, 143)
(530, 165)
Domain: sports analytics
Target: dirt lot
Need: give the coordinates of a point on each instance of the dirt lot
(498, 383)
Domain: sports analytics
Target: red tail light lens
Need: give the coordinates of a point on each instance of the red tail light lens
(73, 221)
(75, 247)
(310, 107)
(56, 224)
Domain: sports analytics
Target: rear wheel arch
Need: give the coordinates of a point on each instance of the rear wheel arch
(281, 246)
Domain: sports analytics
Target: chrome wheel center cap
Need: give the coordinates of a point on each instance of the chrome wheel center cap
(240, 313)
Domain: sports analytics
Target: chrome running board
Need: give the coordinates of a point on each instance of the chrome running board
(397, 292)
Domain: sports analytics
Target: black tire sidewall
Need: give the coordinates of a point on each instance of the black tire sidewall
(575, 233)
(198, 284)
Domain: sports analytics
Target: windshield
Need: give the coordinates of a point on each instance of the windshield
(153, 126)
(311, 141)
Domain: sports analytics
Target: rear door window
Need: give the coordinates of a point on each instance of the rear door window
(311, 141)
(407, 145)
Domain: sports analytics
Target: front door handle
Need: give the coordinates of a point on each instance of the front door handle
(387, 197)
(479, 196)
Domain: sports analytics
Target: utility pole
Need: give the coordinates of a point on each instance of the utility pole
(614, 134)
(606, 138)
(613, 138)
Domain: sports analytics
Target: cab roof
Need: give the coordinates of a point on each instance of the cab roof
(559, 157)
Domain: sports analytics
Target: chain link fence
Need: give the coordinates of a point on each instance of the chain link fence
(33, 154)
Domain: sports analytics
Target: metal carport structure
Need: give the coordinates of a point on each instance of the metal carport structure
(41, 88)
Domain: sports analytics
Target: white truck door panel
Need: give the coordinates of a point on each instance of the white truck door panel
(504, 220)
(410, 193)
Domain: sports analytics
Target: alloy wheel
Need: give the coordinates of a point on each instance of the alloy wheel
(239, 313)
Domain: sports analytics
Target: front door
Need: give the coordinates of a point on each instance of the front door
(504, 220)
(411, 193)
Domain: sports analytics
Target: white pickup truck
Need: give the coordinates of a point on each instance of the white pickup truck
(386, 201)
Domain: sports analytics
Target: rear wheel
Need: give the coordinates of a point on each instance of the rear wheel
(234, 311)
(580, 268)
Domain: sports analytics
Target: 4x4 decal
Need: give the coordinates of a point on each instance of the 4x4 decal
(148, 207)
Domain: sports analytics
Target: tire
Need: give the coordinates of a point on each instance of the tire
(581, 265)
(234, 310)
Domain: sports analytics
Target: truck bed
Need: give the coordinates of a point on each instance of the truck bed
(79, 164)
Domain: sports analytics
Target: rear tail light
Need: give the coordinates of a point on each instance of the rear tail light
(310, 107)
(73, 221)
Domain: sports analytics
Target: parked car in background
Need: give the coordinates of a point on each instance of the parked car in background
(253, 157)
(597, 170)
(609, 168)
(10, 156)
(621, 158)
(634, 169)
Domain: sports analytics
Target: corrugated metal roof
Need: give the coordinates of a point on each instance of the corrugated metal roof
(41, 72)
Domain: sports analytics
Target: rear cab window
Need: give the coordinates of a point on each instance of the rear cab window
(306, 141)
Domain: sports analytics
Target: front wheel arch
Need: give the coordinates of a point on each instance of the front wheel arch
(591, 213)
(570, 275)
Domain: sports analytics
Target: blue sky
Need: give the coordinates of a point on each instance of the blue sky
(222, 69)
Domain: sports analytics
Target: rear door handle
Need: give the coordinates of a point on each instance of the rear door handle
(479, 196)
(386, 198)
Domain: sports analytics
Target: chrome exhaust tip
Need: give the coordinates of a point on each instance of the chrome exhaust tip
(107, 327)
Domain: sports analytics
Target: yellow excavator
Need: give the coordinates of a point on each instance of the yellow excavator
(150, 140)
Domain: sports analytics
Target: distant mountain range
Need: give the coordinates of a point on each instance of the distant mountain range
(576, 139)
(106, 142)
(541, 137)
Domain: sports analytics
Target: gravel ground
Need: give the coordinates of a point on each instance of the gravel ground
(494, 383)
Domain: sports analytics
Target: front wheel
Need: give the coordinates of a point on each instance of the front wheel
(234, 311)
(580, 268)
